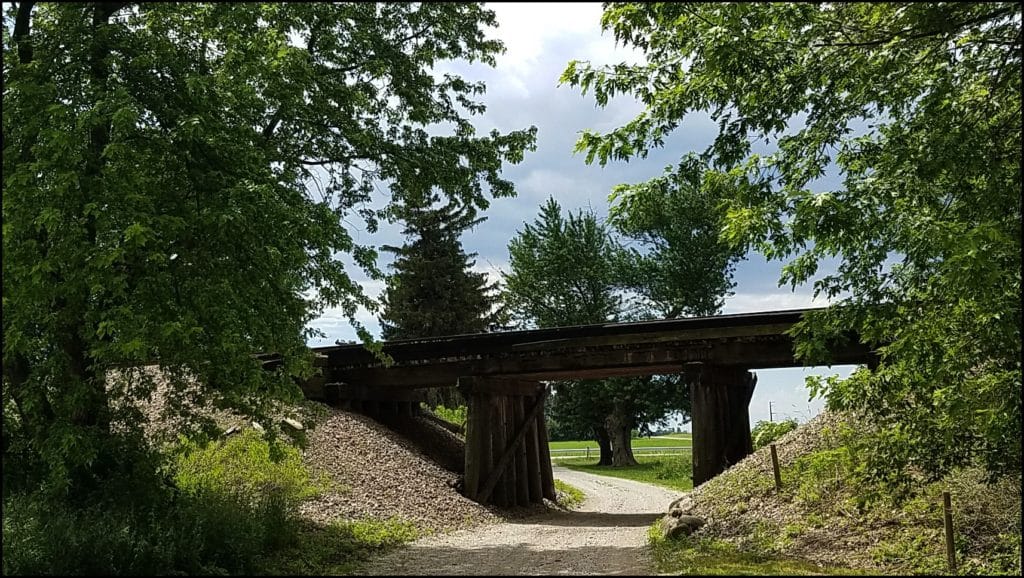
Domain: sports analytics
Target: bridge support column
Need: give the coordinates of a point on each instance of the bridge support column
(721, 419)
(507, 457)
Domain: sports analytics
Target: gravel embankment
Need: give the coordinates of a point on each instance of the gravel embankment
(606, 535)
(382, 475)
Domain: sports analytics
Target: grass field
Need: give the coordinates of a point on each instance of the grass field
(677, 440)
(674, 472)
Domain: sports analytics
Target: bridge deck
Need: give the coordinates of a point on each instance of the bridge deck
(749, 340)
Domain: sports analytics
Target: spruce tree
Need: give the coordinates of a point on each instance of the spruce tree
(433, 290)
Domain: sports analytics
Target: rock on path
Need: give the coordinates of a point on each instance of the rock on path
(606, 535)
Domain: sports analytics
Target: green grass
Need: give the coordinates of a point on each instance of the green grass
(338, 549)
(710, 557)
(674, 472)
(637, 443)
(569, 496)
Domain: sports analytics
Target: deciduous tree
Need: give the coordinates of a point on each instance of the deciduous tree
(916, 106)
(176, 182)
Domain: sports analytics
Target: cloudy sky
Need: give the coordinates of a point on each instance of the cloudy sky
(522, 91)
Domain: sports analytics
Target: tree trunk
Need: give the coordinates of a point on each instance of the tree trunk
(604, 441)
(620, 427)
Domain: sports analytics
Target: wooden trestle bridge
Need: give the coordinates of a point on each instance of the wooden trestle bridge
(502, 376)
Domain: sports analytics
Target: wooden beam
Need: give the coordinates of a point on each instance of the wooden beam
(498, 445)
(522, 473)
(533, 455)
(506, 456)
(497, 386)
(547, 477)
(760, 352)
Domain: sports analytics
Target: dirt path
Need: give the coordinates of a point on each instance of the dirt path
(606, 535)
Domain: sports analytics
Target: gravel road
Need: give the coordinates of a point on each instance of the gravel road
(607, 534)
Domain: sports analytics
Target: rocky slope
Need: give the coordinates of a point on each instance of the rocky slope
(377, 473)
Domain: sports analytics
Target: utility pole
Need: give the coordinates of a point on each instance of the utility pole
(771, 416)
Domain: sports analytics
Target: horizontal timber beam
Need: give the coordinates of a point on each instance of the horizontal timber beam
(761, 352)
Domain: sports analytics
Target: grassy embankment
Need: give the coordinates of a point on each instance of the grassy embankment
(226, 507)
(829, 518)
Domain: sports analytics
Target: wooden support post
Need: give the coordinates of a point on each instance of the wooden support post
(721, 419)
(521, 471)
(547, 477)
(491, 485)
(371, 408)
(509, 474)
(355, 406)
(477, 437)
(533, 455)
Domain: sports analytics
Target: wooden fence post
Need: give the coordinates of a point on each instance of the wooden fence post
(775, 468)
(947, 509)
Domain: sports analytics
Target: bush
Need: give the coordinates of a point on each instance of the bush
(222, 507)
(455, 415)
(766, 432)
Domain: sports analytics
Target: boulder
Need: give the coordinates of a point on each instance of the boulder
(682, 525)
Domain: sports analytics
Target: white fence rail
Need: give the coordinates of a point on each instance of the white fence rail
(590, 451)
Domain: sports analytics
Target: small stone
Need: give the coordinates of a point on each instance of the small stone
(256, 426)
(683, 504)
(292, 423)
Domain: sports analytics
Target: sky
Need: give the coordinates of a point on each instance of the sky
(523, 90)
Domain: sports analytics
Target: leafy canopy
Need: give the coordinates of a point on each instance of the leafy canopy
(679, 265)
(917, 107)
(177, 179)
(572, 270)
(563, 271)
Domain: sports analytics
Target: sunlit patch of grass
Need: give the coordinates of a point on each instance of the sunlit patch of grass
(711, 557)
(339, 548)
(673, 472)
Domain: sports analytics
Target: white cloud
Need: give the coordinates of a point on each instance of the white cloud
(753, 302)
(527, 30)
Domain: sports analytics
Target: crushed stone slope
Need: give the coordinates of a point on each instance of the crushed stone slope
(379, 474)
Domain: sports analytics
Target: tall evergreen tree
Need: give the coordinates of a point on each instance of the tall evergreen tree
(433, 289)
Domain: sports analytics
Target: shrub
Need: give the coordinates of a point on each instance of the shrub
(455, 415)
(222, 506)
(766, 432)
